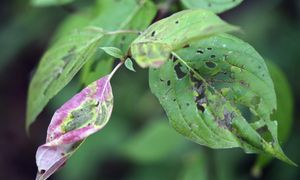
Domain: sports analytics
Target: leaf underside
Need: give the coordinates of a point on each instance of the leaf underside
(211, 91)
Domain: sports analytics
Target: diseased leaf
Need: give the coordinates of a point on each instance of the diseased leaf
(283, 115)
(50, 2)
(217, 6)
(54, 72)
(211, 91)
(129, 65)
(84, 114)
(153, 47)
(58, 66)
(113, 51)
(128, 15)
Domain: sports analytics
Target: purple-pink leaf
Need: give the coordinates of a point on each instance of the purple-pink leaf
(84, 114)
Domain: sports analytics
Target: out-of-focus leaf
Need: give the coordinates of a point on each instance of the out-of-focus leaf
(125, 15)
(153, 143)
(113, 51)
(84, 114)
(58, 66)
(129, 65)
(284, 114)
(72, 22)
(205, 91)
(95, 150)
(50, 2)
(194, 167)
(21, 30)
(153, 47)
(217, 6)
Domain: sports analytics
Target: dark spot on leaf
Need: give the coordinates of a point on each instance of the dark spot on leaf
(187, 104)
(161, 80)
(180, 74)
(42, 171)
(213, 56)
(265, 133)
(243, 83)
(174, 99)
(200, 107)
(168, 83)
(186, 46)
(209, 4)
(153, 33)
(173, 58)
(200, 51)
(209, 48)
(210, 64)
(176, 22)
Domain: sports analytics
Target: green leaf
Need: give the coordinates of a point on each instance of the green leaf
(58, 66)
(54, 73)
(129, 65)
(217, 6)
(195, 166)
(153, 143)
(153, 47)
(212, 89)
(113, 51)
(284, 114)
(50, 2)
(126, 15)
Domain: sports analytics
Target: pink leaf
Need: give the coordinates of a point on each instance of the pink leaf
(84, 114)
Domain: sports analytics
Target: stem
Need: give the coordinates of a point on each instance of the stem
(115, 69)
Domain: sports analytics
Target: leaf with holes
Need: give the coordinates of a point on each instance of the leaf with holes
(283, 115)
(58, 66)
(217, 6)
(84, 114)
(153, 47)
(211, 91)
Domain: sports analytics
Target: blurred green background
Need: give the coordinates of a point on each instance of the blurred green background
(138, 142)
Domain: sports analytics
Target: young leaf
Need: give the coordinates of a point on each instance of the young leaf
(113, 51)
(128, 14)
(58, 66)
(129, 65)
(209, 92)
(84, 114)
(218, 6)
(283, 115)
(153, 47)
(50, 2)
